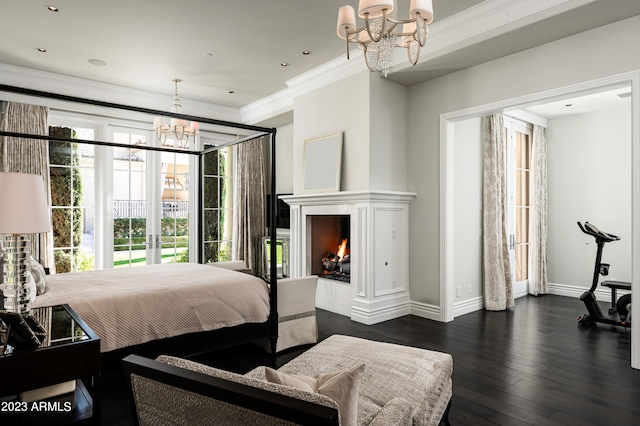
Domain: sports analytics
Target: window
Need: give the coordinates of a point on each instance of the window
(217, 194)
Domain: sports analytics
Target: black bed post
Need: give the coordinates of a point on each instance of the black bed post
(274, 261)
(200, 211)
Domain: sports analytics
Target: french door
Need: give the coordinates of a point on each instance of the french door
(150, 201)
(518, 140)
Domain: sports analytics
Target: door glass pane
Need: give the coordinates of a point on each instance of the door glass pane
(129, 201)
(522, 142)
(71, 175)
(218, 205)
(522, 265)
(174, 206)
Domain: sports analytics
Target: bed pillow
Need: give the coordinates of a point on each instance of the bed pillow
(37, 270)
(341, 386)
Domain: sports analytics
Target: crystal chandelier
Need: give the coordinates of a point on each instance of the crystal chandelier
(380, 34)
(178, 129)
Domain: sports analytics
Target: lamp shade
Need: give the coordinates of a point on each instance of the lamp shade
(374, 7)
(158, 122)
(423, 7)
(346, 22)
(24, 207)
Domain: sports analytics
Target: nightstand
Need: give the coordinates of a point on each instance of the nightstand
(71, 351)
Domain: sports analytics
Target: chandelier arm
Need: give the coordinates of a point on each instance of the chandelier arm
(382, 30)
(366, 59)
(421, 36)
(411, 60)
(401, 21)
(347, 40)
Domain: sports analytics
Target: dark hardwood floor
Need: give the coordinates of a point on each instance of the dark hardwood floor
(532, 365)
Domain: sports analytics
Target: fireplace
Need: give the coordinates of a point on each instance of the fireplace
(330, 250)
(375, 226)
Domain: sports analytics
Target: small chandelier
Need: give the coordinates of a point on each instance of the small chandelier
(379, 35)
(178, 128)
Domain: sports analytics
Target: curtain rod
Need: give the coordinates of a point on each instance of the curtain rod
(42, 94)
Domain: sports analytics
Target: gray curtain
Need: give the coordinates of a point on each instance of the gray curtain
(28, 156)
(249, 208)
(498, 286)
(538, 219)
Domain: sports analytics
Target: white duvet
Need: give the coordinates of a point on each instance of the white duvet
(135, 305)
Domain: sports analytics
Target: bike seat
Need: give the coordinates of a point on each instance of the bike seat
(622, 285)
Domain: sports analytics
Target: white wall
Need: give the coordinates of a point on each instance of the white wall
(284, 159)
(468, 209)
(589, 175)
(558, 64)
(388, 137)
(340, 107)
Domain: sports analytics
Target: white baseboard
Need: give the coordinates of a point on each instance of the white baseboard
(432, 312)
(601, 293)
(379, 315)
(468, 306)
(425, 310)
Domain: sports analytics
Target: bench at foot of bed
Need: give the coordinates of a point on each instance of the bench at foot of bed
(398, 385)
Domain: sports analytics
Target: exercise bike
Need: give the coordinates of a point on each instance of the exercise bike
(623, 305)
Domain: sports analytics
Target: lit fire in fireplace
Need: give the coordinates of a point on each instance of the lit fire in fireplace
(337, 266)
(342, 249)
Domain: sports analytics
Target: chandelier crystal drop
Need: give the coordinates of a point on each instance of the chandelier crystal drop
(178, 129)
(383, 32)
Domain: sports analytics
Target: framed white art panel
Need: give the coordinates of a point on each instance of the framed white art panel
(322, 164)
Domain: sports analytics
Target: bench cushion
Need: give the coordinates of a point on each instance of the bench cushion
(419, 376)
(341, 386)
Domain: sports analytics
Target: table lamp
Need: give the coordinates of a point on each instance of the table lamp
(23, 210)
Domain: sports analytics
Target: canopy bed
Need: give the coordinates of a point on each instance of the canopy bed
(147, 303)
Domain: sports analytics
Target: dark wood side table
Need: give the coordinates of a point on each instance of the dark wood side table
(71, 351)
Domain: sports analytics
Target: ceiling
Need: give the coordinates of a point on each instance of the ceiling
(231, 53)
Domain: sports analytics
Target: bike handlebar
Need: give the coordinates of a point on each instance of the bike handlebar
(589, 229)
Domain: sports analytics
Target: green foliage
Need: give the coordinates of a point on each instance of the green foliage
(82, 261)
(66, 189)
(136, 227)
(139, 243)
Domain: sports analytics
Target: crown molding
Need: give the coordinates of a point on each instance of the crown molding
(73, 86)
(482, 22)
(269, 107)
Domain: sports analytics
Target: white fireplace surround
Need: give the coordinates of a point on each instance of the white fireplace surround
(379, 243)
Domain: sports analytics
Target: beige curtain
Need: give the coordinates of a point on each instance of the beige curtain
(538, 219)
(249, 218)
(28, 156)
(498, 288)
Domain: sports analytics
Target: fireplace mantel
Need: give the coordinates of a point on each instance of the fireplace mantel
(379, 288)
(348, 197)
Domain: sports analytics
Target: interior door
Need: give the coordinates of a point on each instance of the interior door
(518, 158)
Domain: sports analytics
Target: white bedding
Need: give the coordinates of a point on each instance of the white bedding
(135, 305)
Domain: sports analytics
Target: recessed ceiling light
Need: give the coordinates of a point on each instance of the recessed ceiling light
(97, 62)
(284, 64)
(41, 49)
(53, 9)
(231, 92)
(306, 52)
